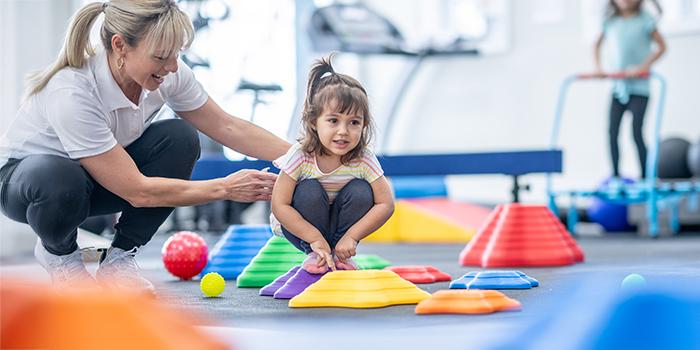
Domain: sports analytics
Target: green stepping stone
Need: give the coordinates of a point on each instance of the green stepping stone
(370, 262)
(273, 260)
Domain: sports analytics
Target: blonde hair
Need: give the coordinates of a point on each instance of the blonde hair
(160, 22)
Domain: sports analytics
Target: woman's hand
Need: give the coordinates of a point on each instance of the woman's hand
(249, 185)
(323, 250)
(346, 248)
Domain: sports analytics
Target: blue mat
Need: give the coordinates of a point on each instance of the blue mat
(418, 186)
(597, 314)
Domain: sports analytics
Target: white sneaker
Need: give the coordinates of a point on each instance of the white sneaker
(66, 271)
(120, 271)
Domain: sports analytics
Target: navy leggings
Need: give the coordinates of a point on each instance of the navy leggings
(637, 105)
(54, 194)
(333, 220)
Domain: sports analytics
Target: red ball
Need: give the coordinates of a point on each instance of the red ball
(185, 254)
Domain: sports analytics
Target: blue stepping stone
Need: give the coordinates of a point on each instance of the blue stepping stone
(236, 248)
(501, 279)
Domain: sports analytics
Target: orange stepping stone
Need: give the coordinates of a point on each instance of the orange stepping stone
(359, 289)
(420, 274)
(466, 302)
(521, 235)
(35, 317)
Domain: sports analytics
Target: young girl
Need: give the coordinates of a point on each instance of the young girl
(630, 32)
(331, 192)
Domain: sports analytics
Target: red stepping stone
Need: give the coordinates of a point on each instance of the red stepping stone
(420, 274)
(521, 235)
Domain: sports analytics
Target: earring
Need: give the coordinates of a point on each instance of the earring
(120, 63)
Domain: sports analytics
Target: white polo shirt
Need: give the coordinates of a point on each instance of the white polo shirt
(82, 112)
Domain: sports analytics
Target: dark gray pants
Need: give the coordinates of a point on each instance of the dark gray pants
(637, 105)
(54, 194)
(333, 220)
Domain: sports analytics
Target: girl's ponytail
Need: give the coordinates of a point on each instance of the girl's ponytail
(320, 68)
(342, 93)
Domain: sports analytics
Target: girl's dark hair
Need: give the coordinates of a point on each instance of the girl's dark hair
(613, 10)
(342, 93)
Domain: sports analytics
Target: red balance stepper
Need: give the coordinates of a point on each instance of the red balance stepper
(517, 235)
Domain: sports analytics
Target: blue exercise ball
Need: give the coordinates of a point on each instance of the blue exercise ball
(694, 159)
(673, 159)
(612, 216)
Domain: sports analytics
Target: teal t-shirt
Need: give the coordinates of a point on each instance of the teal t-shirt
(629, 44)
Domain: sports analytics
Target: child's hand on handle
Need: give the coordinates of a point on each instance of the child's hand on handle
(637, 71)
(346, 248)
(323, 250)
(598, 74)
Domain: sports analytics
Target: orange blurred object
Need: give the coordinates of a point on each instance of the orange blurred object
(35, 316)
(465, 301)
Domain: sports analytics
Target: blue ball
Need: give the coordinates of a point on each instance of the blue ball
(612, 216)
(633, 281)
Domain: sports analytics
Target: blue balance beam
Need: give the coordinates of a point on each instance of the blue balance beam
(514, 164)
(518, 163)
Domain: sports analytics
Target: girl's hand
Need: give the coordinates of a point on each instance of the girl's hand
(637, 71)
(346, 248)
(323, 250)
(249, 185)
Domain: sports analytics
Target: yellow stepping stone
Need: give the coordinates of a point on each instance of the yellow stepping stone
(359, 289)
(429, 221)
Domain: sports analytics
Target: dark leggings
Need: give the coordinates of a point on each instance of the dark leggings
(54, 194)
(637, 105)
(333, 220)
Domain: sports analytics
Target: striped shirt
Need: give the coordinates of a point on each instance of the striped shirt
(301, 166)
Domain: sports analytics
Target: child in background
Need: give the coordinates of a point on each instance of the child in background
(331, 192)
(630, 31)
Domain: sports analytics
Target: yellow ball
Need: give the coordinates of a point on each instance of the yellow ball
(212, 284)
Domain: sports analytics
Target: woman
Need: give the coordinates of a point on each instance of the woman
(84, 143)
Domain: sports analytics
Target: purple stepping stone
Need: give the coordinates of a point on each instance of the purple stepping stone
(297, 284)
(270, 289)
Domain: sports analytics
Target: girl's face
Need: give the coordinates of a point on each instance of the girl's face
(148, 69)
(626, 5)
(339, 133)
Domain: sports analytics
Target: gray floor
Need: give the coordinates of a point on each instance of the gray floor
(243, 318)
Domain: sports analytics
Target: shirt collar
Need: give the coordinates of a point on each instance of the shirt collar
(112, 96)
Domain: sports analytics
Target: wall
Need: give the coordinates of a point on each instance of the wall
(461, 104)
(506, 102)
(31, 34)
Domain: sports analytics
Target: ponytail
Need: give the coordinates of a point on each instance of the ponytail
(320, 68)
(328, 89)
(160, 23)
(76, 47)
